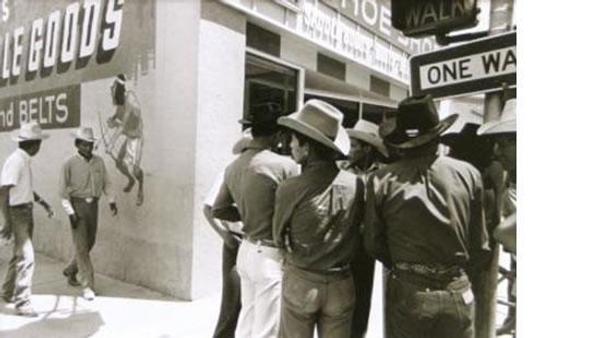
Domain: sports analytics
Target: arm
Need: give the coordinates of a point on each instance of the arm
(479, 246)
(228, 238)
(5, 226)
(281, 217)
(374, 226)
(506, 233)
(224, 207)
(63, 188)
(39, 200)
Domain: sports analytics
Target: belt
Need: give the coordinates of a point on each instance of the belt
(261, 242)
(435, 271)
(88, 200)
(28, 205)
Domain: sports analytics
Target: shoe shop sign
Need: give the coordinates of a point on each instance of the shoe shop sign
(476, 67)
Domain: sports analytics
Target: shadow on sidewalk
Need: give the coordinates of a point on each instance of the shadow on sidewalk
(56, 322)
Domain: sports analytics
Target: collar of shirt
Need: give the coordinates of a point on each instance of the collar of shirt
(77, 154)
(23, 154)
(319, 166)
(259, 144)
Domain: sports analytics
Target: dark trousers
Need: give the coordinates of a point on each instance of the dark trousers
(84, 238)
(230, 296)
(316, 299)
(19, 276)
(417, 310)
(363, 269)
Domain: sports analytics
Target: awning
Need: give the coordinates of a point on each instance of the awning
(322, 85)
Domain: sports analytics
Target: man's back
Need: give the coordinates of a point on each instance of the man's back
(251, 181)
(429, 210)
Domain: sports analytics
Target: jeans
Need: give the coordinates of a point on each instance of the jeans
(84, 238)
(19, 276)
(324, 300)
(363, 269)
(260, 277)
(230, 297)
(416, 311)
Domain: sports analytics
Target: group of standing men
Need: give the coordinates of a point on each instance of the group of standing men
(310, 235)
(82, 180)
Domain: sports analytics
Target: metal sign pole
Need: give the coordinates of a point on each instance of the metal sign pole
(501, 12)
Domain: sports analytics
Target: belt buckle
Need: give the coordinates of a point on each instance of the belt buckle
(89, 200)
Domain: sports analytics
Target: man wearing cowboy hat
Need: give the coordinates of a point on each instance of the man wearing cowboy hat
(128, 122)
(16, 192)
(503, 132)
(317, 219)
(366, 154)
(424, 220)
(82, 181)
(248, 195)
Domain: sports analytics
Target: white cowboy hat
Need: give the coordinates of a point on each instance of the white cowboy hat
(319, 121)
(368, 132)
(507, 122)
(85, 134)
(30, 131)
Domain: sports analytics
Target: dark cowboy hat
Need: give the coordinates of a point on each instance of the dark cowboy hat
(414, 123)
(263, 115)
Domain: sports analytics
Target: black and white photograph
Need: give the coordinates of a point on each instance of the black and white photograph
(273, 168)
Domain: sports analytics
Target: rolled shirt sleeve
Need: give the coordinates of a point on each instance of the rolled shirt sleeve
(11, 171)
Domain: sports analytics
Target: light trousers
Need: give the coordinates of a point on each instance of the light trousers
(260, 270)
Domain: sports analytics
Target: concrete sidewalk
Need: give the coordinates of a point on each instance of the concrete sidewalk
(125, 310)
(119, 310)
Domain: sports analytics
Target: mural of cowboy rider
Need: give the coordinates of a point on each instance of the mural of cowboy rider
(127, 123)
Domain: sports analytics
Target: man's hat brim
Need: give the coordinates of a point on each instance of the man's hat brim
(18, 138)
(498, 127)
(371, 139)
(340, 144)
(87, 139)
(427, 137)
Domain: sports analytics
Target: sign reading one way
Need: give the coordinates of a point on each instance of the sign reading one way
(480, 66)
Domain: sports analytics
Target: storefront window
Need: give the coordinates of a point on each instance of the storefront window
(267, 81)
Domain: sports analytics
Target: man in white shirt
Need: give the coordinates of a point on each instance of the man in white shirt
(16, 193)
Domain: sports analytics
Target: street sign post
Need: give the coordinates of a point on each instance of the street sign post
(479, 66)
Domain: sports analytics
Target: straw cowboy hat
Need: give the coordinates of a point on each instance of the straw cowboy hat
(85, 134)
(507, 122)
(415, 123)
(29, 132)
(368, 132)
(320, 122)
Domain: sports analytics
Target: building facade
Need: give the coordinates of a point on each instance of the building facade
(195, 66)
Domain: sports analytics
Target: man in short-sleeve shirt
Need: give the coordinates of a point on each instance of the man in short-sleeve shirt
(16, 181)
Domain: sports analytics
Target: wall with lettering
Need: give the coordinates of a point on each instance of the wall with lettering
(52, 44)
(58, 61)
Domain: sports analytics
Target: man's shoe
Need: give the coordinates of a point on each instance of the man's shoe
(8, 299)
(72, 280)
(88, 294)
(26, 310)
